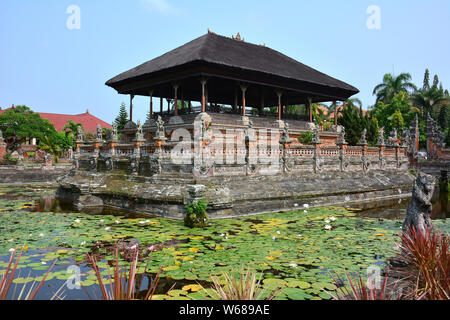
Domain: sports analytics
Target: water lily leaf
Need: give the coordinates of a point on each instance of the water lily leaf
(171, 268)
(176, 293)
(299, 284)
(192, 287)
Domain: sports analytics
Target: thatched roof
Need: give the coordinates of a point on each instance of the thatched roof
(226, 58)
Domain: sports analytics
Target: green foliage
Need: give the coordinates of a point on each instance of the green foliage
(55, 144)
(20, 124)
(9, 160)
(397, 120)
(355, 121)
(122, 119)
(393, 85)
(305, 137)
(196, 216)
(397, 114)
(71, 131)
(444, 118)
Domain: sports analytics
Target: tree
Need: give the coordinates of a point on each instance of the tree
(122, 119)
(392, 85)
(55, 144)
(444, 118)
(71, 131)
(428, 100)
(435, 81)
(397, 120)
(353, 121)
(426, 80)
(20, 124)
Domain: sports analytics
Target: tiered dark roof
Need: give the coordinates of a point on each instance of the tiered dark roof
(226, 61)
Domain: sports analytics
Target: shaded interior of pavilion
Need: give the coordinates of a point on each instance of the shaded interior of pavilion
(222, 96)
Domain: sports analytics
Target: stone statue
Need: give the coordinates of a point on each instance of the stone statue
(393, 138)
(406, 139)
(285, 139)
(380, 141)
(80, 134)
(108, 164)
(160, 128)
(341, 140)
(139, 133)
(363, 140)
(316, 137)
(99, 133)
(418, 214)
(114, 134)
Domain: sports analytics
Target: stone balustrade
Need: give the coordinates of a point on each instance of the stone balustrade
(148, 159)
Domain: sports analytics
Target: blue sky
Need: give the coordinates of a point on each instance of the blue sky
(51, 68)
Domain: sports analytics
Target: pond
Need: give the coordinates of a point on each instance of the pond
(291, 250)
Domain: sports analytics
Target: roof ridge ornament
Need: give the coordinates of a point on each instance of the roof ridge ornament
(237, 37)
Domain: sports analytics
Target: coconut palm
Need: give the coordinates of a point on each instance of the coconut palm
(429, 100)
(71, 131)
(391, 85)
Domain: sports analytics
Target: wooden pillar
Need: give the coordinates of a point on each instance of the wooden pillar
(279, 94)
(151, 104)
(235, 106)
(243, 89)
(168, 105)
(161, 106)
(131, 106)
(335, 113)
(309, 106)
(261, 110)
(175, 87)
(203, 82)
(182, 102)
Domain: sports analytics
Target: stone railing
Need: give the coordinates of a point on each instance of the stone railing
(148, 159)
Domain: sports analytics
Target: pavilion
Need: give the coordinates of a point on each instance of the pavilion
(229, 71)
(243, 159)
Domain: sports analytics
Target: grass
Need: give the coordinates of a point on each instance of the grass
(124, 279)
(246, 285)
(427, 258)
(7, 278)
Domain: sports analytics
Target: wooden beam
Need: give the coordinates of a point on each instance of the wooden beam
(131, 106)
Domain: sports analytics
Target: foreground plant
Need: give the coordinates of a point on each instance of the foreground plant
(427, 258)
(196, 216)
(7, 278)
(359, 290)
(124, 280)
(245, 286)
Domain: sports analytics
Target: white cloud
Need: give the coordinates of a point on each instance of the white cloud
(161, 6)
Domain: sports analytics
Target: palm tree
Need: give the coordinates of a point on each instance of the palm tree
(71, 130)
(428, 100)
(391, 85)
(49, 144)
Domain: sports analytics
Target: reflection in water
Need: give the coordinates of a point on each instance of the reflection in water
(396, 209)
(51, 204)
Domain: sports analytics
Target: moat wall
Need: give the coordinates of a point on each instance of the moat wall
(20, 174)
(231, 196)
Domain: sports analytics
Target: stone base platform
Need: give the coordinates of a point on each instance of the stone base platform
(228, 197)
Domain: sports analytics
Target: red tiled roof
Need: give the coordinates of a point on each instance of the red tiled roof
(59, 121)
